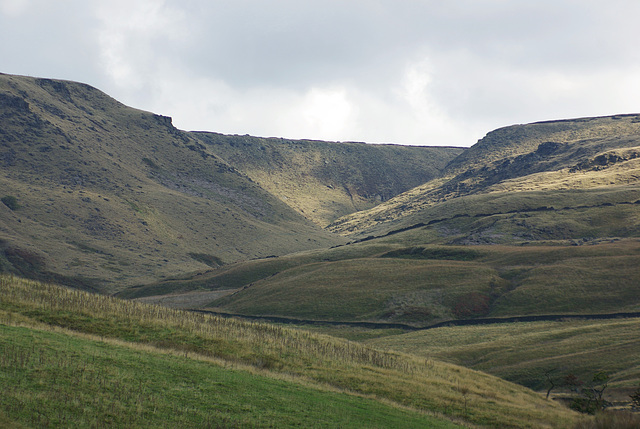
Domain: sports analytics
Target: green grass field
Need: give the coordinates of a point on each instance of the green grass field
(295, 361)
(52, 378)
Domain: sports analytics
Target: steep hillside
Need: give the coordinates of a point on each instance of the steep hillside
(101, 195)
(97, 194)
(327, 180)
(524, 167)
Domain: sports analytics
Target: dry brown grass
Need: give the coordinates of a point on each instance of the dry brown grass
(611, 420)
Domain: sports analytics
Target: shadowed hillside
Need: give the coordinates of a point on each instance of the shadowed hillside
(97, 194)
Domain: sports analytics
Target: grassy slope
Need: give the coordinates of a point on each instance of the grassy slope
(361, 289)
(326, 180)
(386, 280)
(65, 380)
(275, 352)
(531, 215)
(523, 352)
(120, 196)
(563, 157)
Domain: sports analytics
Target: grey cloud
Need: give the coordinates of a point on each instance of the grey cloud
(53, 39)
(483, 63)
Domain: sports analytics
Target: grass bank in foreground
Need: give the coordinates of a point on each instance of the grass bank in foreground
(57, 379)
(410, 385)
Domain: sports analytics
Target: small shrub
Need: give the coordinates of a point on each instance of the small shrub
(584, 405)
(150, 163)
(635, 398)
(11, 202)
(591, 399)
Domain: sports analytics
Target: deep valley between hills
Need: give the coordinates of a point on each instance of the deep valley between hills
(125, 242)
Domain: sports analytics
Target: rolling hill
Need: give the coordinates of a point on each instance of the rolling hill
(102, 196)
(535, 219)
(74, 359)
(556, 165)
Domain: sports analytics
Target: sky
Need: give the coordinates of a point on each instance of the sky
(414, 72)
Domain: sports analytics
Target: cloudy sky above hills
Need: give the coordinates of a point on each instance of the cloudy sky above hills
(425, 72)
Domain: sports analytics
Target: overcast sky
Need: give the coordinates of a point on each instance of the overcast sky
(416, 72)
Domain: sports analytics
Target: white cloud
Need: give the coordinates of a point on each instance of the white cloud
(324, 111)
(136, 37)
(14, 8)
(318, 113)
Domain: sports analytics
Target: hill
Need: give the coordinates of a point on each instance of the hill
(108, 195)
(396, 280)
(326, 180)
(535, 219)
(557, 165)
(82, 358)
(102, 196)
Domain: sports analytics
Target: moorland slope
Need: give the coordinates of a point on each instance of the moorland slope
(326, 180)
(535, 219)
(101, 196)
(555, 165)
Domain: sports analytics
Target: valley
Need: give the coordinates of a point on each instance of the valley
(126, 239)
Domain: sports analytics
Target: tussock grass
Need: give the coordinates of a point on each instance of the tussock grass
(417, 383)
